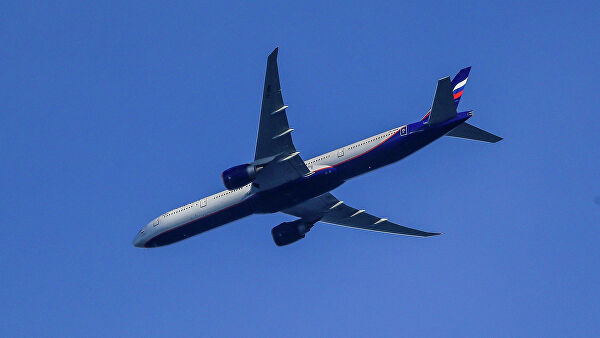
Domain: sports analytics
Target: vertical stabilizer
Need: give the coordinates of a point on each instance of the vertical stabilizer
(458, 84)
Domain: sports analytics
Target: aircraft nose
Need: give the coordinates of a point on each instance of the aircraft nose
(139, 241)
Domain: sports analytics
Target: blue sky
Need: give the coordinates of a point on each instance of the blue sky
(113, 113)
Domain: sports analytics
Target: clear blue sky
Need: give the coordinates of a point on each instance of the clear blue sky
(113, 113)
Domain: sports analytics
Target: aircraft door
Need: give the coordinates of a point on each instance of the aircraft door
(202, 204)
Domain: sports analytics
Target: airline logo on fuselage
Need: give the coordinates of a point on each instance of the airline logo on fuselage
(403, 130)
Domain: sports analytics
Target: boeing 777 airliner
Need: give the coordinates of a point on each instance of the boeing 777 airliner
(278, 180)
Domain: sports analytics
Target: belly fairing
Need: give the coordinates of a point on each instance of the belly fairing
(298, 191)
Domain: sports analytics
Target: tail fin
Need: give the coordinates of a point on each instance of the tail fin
(458, 85)
(442, 109)
(465, 130)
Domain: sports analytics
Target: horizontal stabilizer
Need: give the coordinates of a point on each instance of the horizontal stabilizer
(443, 107)
(468, 131)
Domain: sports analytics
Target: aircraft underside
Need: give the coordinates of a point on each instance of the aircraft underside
(278, 180)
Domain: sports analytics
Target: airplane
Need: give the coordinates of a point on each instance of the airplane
(278, 180)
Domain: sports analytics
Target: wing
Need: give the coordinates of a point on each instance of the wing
(328, 209)
(274, 142)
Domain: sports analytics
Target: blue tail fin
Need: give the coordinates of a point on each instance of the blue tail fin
(458, 85)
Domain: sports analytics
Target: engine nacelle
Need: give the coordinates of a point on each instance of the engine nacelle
(290, 232)
(239, 176)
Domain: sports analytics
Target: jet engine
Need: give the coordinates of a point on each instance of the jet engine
(239, 176)
(290, 232)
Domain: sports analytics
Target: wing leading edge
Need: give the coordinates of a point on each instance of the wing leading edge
(328, 209)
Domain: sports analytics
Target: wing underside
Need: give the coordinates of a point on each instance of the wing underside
(274, 144)
(328, 209)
